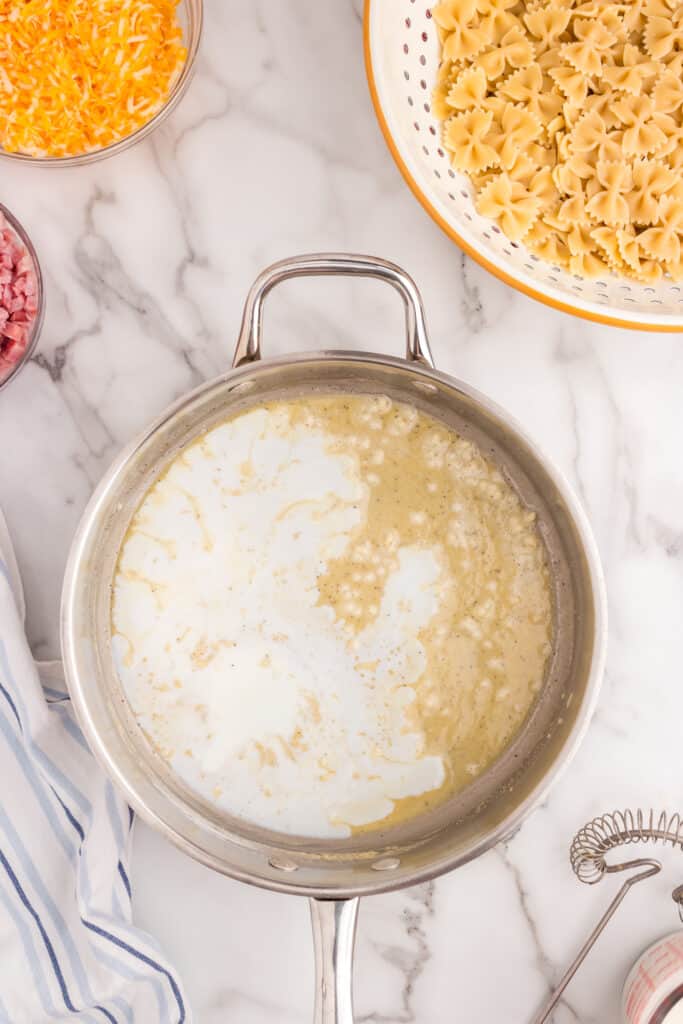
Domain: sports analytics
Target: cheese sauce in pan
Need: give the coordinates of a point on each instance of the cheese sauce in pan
(330, 614)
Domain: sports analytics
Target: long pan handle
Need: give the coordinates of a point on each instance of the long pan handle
(334, 933)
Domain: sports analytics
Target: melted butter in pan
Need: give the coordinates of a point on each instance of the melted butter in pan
(331, 613)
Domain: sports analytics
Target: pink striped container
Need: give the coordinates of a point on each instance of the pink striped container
(653, 993)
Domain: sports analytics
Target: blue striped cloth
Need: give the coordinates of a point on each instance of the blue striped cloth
(68, 948)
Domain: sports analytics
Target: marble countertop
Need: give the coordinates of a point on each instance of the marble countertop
(148, 257)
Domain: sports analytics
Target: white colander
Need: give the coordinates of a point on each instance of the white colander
(402, 56)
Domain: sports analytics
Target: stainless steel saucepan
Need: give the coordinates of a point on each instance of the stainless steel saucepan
(335, 873)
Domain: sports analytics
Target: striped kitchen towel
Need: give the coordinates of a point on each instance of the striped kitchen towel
(68, 948)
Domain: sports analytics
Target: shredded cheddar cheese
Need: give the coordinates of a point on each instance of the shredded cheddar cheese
(79, 75)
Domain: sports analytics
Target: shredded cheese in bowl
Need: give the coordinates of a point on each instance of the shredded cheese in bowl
(77, 76)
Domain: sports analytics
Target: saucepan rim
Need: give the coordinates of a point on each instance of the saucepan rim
(385, 882)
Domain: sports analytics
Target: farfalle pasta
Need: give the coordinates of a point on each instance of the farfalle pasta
(567, 116)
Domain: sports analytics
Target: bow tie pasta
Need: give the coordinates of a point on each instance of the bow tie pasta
(567, 116)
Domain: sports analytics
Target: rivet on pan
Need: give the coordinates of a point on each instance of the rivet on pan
(386, 864)
(282, 863)
(243, 385)
(424, 385)
(511, 835)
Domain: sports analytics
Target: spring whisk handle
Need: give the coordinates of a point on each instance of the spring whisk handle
(649, 868)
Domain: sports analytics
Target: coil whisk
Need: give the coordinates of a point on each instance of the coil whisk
(588, 855)
(620, 828)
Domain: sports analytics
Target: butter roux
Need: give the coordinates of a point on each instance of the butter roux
(331, 613)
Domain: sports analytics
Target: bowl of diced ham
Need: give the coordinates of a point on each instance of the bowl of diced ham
(21, 297)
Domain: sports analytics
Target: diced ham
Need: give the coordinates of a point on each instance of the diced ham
(14, 331)
(18, 298)
(14, 349)
(24, 266)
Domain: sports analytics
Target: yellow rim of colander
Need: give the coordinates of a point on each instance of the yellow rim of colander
(599, 318)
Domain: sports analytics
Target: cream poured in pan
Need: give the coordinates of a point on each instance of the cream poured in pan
(331, 613)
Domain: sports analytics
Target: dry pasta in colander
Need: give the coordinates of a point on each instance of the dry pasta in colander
(568, 118)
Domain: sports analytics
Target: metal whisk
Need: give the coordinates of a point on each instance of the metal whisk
(587, 854)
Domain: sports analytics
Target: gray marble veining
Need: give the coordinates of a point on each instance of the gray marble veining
(148, 258)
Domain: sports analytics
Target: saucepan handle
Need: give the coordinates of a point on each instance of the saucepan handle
(343, 264)
(334, 933)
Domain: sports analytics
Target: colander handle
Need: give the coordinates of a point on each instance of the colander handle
(345, 265)
(334, 933)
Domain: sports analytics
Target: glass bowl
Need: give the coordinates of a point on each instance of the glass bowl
(191, 18)
(37, 324)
